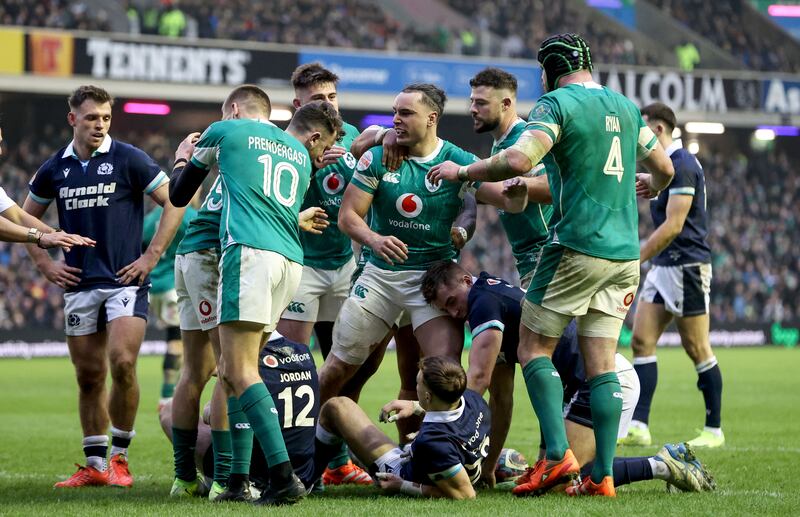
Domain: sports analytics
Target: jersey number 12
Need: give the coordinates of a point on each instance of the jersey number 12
(302, 419)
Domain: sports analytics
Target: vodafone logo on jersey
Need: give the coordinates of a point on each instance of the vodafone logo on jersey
(409, 205)
(333, 183)
(270, 361)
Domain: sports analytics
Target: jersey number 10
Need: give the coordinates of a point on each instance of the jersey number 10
(272, 180)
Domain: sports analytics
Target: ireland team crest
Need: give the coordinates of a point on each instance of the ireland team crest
(430, 186)
(409, 205)
(333, 183)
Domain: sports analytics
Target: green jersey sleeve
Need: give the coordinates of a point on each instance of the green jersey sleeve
(647, 141)
(546, 116)
(369, 170)
(207, 148)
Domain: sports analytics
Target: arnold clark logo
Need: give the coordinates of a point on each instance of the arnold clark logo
(87, 197)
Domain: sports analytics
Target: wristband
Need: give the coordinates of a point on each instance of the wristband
(179, 161)
(463, 173)
(462, 232)
(409, 488)
(379, 135)
(34, 235)
(417, 408)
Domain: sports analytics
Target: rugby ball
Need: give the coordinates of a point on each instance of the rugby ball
(510, 465)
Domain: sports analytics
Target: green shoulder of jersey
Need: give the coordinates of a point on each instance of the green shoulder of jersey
(265, 173)
(598, 135)
(526, 231)
(162, 278)
(406, 205)
(332, 249)
(203, 231)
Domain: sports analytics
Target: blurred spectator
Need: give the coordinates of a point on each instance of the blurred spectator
(688, 56)
(760, 46)
(56, 14)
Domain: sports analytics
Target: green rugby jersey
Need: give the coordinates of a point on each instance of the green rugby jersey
(265, 174)
(407, 206)
(332, 249)
(162, 278)
(598, 137)
(203, 231)
(526, 231)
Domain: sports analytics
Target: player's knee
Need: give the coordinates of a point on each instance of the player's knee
(90, 379)
(335, 409)
(642, 346)
(123, 371)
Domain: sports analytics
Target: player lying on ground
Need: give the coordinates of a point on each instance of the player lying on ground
(446, 455)
(288, 370)
(491, 307)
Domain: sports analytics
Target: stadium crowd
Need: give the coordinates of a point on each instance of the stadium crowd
(751, 232)
(53, 14)
(725, 24)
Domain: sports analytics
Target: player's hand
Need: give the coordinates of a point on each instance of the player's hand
(389, 483)
(445, 171)
(330, 157)
(389, 248)
(643, 188)
(393, 153)
(487, 478)
(516, 191)
(313, 220)
(186, 147)
(64, 241)
(396, 410)
(60, 274)
(457, 237)
(138, 269)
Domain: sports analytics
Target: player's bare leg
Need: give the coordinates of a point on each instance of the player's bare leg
(88, 355)
(125, 336)
(352, 389)
(173, 361)
(650, 321)
(408, 355)
(298, 331)
(441, 336)
(341, 417)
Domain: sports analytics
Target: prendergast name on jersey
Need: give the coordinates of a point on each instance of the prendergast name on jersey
(281, 150)
(72, 196)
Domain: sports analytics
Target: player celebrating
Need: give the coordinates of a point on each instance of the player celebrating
(98, 184)
(677, 286)
(492, 308)
(265, 174)
(411, 222)
(493, 106)
(445, 456)
(589, 268)
(328, 260)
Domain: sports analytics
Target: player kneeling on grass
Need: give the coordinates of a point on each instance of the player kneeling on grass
(446, 455)
(288, 370)
(492, 308)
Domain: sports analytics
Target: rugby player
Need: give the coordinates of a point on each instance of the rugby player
(98, 185)
(446, 455)
(411, 221)
(678, 285)
(591, 138)
(164, 300)
(493, 106)
(288, 370)
(492, 308)
(265, 173)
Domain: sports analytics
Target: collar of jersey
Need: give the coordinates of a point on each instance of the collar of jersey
(104, 148)
(442, 417)
(263, 121)
(274, 336)
(508, 131)
(434, 154)
(674, 146)
(591, 85)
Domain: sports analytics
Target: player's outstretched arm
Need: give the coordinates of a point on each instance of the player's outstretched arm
(355, 205)
(58, 273)
(168, 226)
(17, 225)
(456, 487)
(658, 164)
(482, 358)
(501, 405)
(466, 221)
(678, 208)
(186, 177)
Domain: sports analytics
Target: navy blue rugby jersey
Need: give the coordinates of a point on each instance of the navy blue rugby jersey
(691, 245)
(101, 198)
(288, 370)
(449, 441)
(493, 303)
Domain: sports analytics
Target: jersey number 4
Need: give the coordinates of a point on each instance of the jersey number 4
(302, 419)
(613, 165)
(272, 180)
